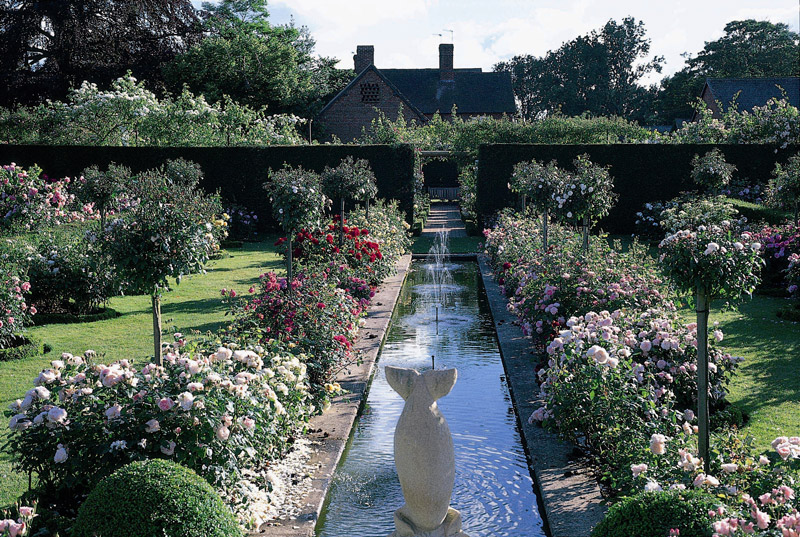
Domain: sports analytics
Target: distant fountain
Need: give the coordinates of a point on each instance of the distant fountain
(424, 455)
(437, 273)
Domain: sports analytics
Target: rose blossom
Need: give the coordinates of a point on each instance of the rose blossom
(152, 426)
(57, 415)
(223, 433)
(61, 454)
(166, 404)
(186, 400)
(729, 468)
(637, 469)
(114, 411)
(658, 444)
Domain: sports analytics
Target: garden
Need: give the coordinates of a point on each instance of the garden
(169, 342)
(665, 357)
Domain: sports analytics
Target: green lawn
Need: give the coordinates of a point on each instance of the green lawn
(195, 304)
(767, 384)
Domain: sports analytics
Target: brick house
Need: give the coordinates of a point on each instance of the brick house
(749, 93)
(420, 92)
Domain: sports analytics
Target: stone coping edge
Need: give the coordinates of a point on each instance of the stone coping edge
(567, 489)
(331, 429)
(453, 257)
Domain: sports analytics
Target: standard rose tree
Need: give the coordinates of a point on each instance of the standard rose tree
(592, 194)
(784, 188)
(711, 172)
(297, 202)
(538, 184)
(102, 187)
(350, 179)
(715, 261)
(166, 236)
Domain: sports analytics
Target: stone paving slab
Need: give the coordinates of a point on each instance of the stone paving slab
(444, 216)
(332, 428)
(568, 491)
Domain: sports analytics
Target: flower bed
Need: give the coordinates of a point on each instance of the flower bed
(619, 379)
(219, 413)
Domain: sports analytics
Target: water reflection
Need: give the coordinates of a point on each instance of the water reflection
(493, 489)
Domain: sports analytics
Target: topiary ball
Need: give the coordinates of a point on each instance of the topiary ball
(154, 498)
(655, 513)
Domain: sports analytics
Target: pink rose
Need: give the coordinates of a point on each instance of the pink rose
(152, 426)
(166, 404)
(223, 433)
(113, 412)
(637, 469)
(762, 519)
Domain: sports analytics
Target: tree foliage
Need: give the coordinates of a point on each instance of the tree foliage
(48, 47)
(597, 73)
(256, 63)
(748, 49)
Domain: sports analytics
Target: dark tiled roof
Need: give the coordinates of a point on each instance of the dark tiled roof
(754, 91)
(472, 91)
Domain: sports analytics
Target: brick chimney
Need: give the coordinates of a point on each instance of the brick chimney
(365, 56)
(446, 72)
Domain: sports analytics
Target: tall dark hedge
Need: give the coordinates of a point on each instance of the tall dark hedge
(642, 172)
(237, 172)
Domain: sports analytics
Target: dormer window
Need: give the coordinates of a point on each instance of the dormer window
(370, 92)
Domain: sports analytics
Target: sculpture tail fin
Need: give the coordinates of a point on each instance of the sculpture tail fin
(440, 382)
(400, 379)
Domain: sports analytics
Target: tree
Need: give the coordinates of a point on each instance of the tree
(47, 47)
(748, 49)
(245, 57)
(597, 73)
(166, 235)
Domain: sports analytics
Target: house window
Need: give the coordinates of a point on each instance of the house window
(370, 93)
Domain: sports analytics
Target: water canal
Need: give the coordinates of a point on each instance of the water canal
(493, 489)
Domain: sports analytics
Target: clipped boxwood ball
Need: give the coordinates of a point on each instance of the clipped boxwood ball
(154, 498)
(655, 513)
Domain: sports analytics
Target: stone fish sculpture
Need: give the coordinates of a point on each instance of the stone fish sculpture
(423, 455)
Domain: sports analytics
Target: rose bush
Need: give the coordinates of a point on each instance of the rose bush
(720, 258)
(783, 191)
(242, 222)
(316, 318)
(68, 272)
(616, 379)
(18, 525)
(545, 291)
(388, 227)
(689, 212)
(710, 172)
(758, 490)
(170, 233)
(29, 200)
(15, 313)
(218, 412)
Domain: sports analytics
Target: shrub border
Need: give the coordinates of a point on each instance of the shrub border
(41, 319)
(31, 348)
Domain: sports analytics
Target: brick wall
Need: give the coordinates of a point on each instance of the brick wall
(346, 117)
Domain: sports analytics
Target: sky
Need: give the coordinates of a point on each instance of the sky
(407, 33)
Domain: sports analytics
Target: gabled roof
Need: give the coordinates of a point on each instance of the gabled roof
(472, 91)
(754, 91)
(388, 82)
